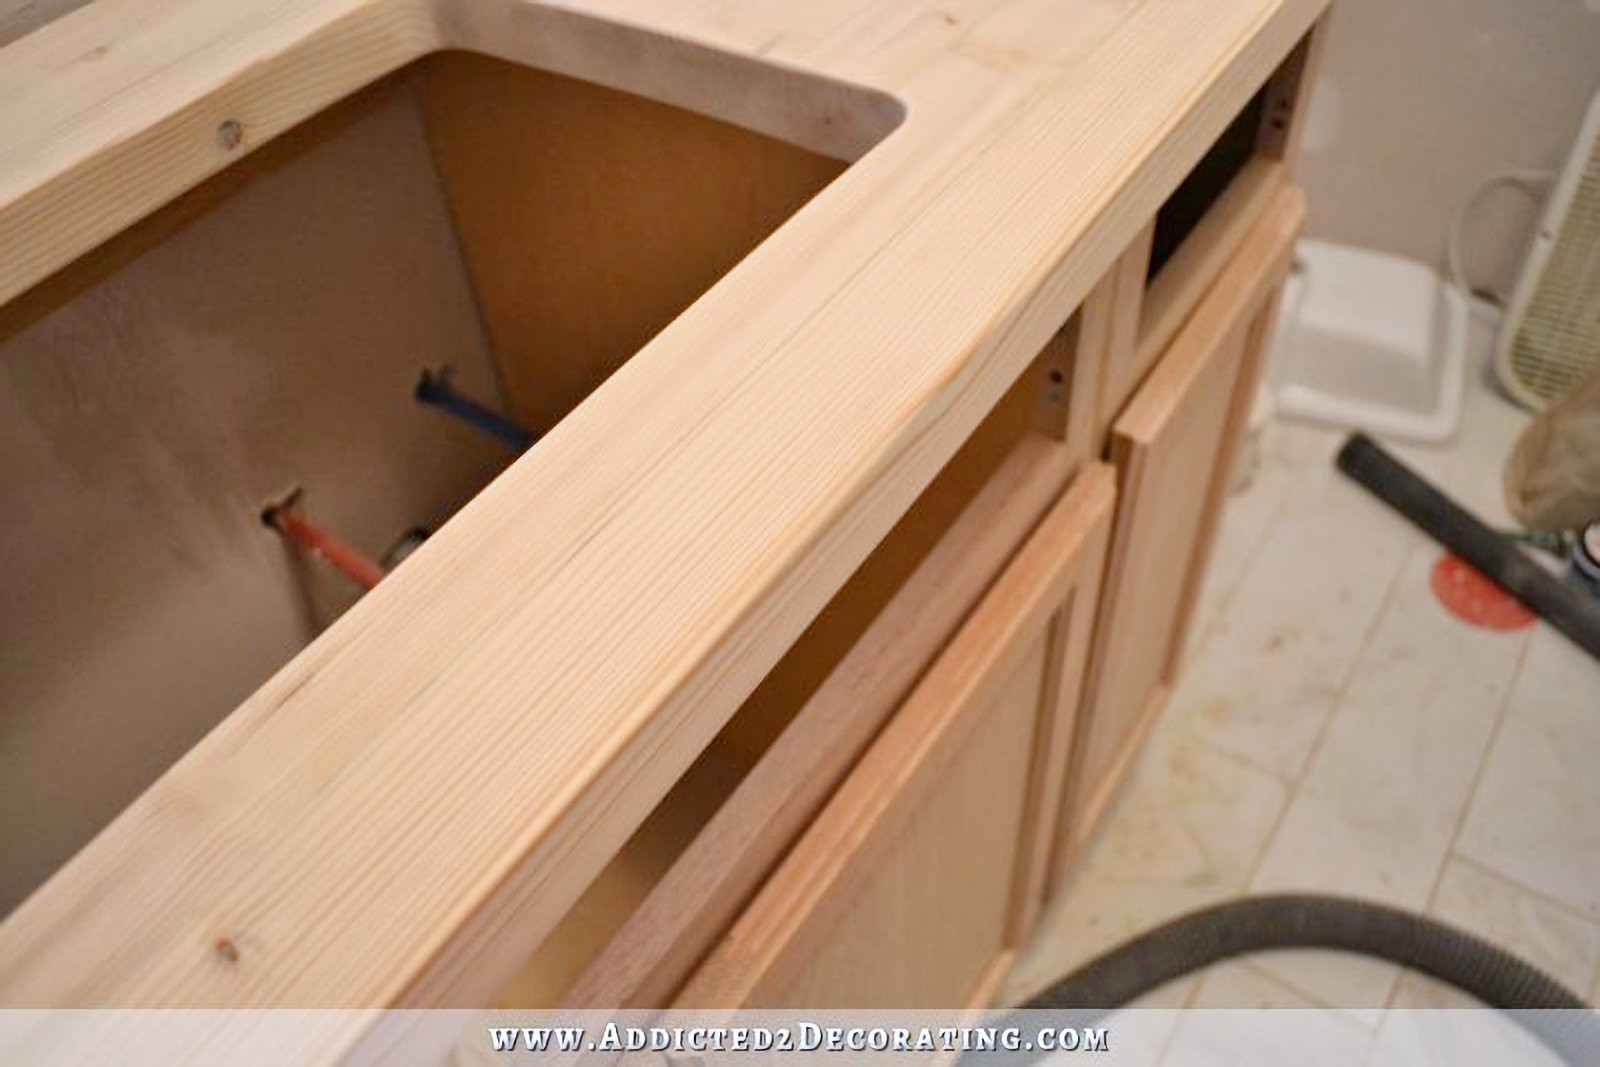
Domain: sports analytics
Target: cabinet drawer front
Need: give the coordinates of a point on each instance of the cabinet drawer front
(907, 889)
(1173, 447)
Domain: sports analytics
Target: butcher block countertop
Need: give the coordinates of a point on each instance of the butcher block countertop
(404, 810)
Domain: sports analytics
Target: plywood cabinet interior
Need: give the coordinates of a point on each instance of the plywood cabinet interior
(589, 218)
(906, 889)
(265, 331)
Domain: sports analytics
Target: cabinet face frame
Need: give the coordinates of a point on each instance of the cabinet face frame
(1173, 447)
(1038, 614)
(1171, 313)
(1159, 305)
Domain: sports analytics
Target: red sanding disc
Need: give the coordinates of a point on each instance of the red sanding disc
(1473, 598)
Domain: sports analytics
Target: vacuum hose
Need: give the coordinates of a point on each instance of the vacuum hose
(1574, 612)
(1255, 924)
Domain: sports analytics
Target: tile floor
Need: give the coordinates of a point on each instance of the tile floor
(1335, 729)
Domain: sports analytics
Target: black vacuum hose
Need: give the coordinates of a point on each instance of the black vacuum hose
(1574, 612)
(1256, 924)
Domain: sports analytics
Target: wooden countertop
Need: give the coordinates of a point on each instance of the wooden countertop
(459, 756)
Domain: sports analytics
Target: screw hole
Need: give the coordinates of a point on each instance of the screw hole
(230, 135)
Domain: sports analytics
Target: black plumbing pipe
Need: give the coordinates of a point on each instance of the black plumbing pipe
(1573, 612)
(1187, 944)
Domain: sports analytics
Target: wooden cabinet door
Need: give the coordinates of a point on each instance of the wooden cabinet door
(1173, 448)
(911, 887)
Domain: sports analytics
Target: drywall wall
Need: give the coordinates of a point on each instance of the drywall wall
(1416, 102)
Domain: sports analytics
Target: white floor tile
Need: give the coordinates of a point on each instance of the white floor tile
(1536, 815)
(1436, 1025)
(1250, 515)
(1474, 474)
(1384, 791)
(1186, 832)
(1276, 661)
(1554, 938)
(1468, 467)
(1243, 983)
(1139, 1035)
(1172, 996)
(1279, 1027)
(1418, 991)
(1360, 985)
(1380, 803)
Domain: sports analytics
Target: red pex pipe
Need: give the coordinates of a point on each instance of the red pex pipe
(349, 560)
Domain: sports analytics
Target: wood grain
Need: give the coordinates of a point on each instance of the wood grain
(829, 638)
(1123, 361)
(1187, 276)
(1288, 111)
(661, 943)
(901, 892)
(462, 753)
(924, 921)
(1172, 447)
(1071, 639)
(819, 653)
(1257, 345)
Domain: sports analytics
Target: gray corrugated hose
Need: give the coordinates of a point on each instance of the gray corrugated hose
(1256, 924)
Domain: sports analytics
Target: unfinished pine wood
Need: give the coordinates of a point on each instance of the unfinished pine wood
(671, 931)
(466, 749)
(1187, 276)
(831, 646)
(923, 923)
(1121, 360)
(1060, 411)
(625, 883)
(1171, 446)
(1058, 726)
(1287, 109)
(901, 893)
(1257, 343)
(831, 636)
